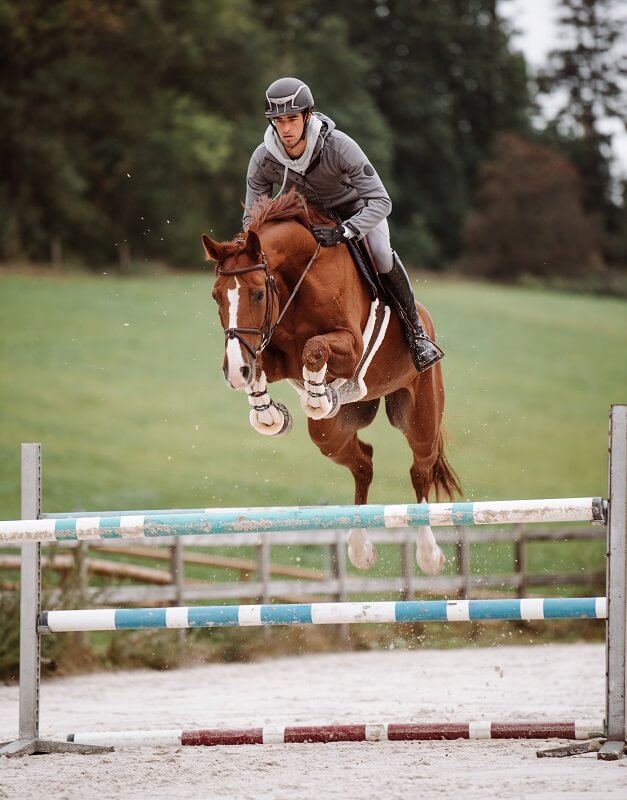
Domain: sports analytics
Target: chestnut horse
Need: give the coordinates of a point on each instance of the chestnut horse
(291, 310)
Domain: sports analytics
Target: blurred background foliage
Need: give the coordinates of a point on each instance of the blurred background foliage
(127, 127)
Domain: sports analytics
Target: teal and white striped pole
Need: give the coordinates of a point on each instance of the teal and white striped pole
(265, 520)
(322, 614)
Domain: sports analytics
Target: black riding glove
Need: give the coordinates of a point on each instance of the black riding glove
(327, 237)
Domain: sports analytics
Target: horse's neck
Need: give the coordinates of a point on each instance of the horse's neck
(293, 255)
(289, 250)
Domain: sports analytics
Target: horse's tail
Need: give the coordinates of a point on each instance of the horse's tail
(445, 479)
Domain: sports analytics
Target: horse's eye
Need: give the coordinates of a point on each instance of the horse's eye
(258, 295)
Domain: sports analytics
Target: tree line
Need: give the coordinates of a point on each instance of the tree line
(127, 127)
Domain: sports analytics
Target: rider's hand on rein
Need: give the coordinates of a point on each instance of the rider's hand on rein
(328, 237)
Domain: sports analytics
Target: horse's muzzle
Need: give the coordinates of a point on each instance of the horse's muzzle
(238, 376)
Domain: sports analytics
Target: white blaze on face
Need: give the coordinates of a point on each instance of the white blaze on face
(234, 357)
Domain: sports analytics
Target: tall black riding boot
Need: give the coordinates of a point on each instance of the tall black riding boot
(424, 352)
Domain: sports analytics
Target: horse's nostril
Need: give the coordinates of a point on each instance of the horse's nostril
(245, 370)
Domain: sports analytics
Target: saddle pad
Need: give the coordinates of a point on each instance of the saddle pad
(363, 261)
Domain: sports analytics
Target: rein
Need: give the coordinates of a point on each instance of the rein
(267, 329)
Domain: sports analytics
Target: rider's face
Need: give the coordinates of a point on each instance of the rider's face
(290, 128)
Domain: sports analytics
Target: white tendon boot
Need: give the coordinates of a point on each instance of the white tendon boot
(266, 416)
(318, 400)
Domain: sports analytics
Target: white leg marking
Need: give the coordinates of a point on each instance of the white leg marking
(361, 552)
(429, 557)
(266, 416)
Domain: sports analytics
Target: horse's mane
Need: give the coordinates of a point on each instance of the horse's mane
(289, 206)
(286, 206)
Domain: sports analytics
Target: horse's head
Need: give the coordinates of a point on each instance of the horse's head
(247, 300)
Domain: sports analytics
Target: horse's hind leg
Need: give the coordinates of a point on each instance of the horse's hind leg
(421, 428)
(337, 439)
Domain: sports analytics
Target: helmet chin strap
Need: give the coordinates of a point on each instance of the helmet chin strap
(306, 118)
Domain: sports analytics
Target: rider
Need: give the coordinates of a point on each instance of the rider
(304, 149)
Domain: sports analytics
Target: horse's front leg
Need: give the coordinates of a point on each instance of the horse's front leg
(266, 416)
(336, 351)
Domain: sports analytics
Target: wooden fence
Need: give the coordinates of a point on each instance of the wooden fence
(259, 579)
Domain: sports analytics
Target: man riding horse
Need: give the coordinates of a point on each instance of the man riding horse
(303, 149)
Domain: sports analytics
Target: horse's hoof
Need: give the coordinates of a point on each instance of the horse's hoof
(365, 558)
(431, 562)
(287, 420)
(361, 552)
(334, 397)
(280, 423)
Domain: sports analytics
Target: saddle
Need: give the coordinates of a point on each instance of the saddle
(364, 262)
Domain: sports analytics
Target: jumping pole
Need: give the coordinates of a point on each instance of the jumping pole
(326, 734)
(112, 619)
(266, 520)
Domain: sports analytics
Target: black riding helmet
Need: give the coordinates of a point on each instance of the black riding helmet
(287, 96)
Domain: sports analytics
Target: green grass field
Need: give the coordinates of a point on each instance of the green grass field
(120, 380)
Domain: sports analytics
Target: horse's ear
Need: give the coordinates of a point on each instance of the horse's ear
(213, 249)
(253, 245)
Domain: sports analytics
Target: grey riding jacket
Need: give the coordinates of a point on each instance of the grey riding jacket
(339, 178)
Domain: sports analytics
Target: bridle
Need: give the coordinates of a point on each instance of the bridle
(267, 328)
(272, 295)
